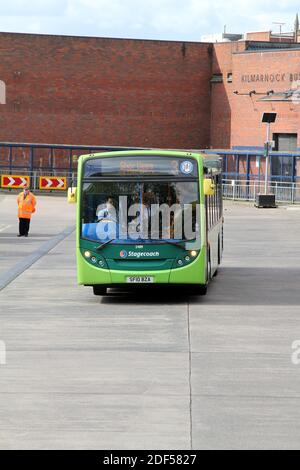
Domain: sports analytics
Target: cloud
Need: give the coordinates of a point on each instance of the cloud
(152, 19)
(17, 8)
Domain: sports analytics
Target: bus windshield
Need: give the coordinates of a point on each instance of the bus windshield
(145, 211)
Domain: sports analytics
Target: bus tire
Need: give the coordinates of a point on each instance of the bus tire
(208, 268)
(219, 251)
(99, 289)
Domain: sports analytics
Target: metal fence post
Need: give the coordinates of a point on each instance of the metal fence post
(34, 180)
(31, 165)
(10, 159)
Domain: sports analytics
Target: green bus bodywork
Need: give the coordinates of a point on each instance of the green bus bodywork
(106, 268)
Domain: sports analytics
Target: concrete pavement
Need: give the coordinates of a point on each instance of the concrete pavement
(131, 372)
(52, 217)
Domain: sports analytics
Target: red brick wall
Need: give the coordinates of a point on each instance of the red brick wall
(99, 91)
(236, 118)
(246, 126)
(220, 136)
(258, 36)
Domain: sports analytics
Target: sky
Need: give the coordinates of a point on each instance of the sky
(186, 20)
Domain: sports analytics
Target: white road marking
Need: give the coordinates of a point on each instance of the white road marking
(4, 228)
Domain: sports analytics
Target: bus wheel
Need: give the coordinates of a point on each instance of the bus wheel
(99, 290)
(220, 249)
(209, 275)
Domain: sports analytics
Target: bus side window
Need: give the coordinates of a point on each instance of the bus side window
(208, 212)
(220, 195)
(214, 202)
(211, 211)
(218, 198)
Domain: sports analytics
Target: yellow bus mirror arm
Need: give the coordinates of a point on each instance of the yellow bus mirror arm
(72, 195)
(209, 187)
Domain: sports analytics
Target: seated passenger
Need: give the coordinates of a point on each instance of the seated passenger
(106, 211)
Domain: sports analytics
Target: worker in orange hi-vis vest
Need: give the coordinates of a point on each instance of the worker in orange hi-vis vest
(26, 207)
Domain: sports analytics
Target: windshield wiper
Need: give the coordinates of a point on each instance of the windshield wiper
(98, 248)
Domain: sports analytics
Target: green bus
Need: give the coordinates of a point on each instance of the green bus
(148, 217)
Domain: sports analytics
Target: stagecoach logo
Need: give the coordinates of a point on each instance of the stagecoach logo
(139, 254)
(186, 167)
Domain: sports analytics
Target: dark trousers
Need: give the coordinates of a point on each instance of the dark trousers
(24, 226)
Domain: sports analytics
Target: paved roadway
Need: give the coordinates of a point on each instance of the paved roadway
(160, 372)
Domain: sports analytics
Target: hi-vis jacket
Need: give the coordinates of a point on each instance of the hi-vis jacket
(26, 206)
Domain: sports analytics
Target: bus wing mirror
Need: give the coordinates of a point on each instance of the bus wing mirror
(209, 187)
(72, 195)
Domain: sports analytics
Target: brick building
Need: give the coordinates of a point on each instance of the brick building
(250, 78)
(101, 91)
(98, 91)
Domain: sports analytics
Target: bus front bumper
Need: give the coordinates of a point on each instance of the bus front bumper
(194, 273)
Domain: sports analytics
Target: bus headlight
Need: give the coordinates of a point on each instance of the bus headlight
(193, 253)
(87, 254)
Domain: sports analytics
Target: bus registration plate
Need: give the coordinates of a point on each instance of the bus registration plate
(140, 279)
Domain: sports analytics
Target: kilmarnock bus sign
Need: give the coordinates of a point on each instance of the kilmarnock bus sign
(270, 77)
(53, 182)
(14, 181)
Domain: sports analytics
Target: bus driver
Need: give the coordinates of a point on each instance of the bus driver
(107, 212)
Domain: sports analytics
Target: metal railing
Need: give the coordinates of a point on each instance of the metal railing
(247, 190)
(71, 177)
(250, 165)
(17, 158)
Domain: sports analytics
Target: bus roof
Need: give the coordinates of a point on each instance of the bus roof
(211, 162)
